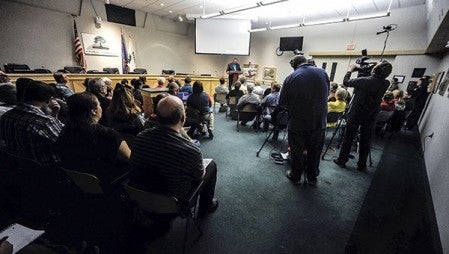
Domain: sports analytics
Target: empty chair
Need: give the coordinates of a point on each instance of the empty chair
(111, 70)
(382, 120)
(232, 104)
(96, 72)
(17, 68)
(74, 69)
(168, 72)
(140, 71)
(86, 182)
(248, 113)
(42, 71)
(197, 120)
(220, 98)
(164, 208)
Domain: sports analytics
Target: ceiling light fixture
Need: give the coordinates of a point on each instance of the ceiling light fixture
(285, 26)
(258, 30)
(242, 8)
(369, 16)
(324, 22)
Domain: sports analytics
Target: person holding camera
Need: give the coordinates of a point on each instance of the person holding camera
(304, 94)
(363, 111)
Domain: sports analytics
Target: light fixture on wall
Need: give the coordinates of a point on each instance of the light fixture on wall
(180, 18)
(447, 45)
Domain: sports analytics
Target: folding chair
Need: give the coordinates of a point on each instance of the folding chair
(248, 113)
(232, 104)
(164, 207)
(220, 98)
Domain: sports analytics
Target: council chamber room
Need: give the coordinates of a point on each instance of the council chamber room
(276, 126)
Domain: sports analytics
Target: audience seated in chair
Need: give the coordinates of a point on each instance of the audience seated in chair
(235, 93)
(99, 89)
(220, 90)
(85, 145)
(160, 82)
(161, 170)
(249, 98)
(388, 102)
(137, 91)
(62, 90)
(269, 102)
(153, 122)
(187, 87)
(338, 105)
(8, 93)
(31, 128)
(201, 101)
(173, 88)
(124, 115)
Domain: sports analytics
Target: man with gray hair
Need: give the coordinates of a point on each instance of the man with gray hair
(249, 98)
(176, 166)
(304, 95)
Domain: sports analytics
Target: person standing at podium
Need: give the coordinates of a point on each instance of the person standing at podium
(232, 67)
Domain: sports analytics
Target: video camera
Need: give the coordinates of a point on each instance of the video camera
(365, 68)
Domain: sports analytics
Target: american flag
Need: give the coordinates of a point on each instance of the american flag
(79, 53)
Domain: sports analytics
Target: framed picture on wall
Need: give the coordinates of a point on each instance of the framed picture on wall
(400, 78)
(101, 45)
(433, 85)
(250, 70)
(418, 72)
(269, 73)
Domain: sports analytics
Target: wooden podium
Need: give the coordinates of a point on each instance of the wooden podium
(234, 76)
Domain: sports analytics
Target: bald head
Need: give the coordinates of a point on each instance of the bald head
(170, 111)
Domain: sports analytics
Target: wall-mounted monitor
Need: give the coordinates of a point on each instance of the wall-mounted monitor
(291, 43)
(121, 15)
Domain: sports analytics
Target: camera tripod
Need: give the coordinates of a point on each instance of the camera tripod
(272, 132)
(340, 121)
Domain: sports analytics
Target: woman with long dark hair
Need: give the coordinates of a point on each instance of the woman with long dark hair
(123, 114)
(87, 146)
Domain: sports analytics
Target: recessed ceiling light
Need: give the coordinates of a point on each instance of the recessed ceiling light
(170, 11)
(201, 6)
(162, 4)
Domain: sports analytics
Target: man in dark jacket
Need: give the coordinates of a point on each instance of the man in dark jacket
(304, 94)
(363, 111)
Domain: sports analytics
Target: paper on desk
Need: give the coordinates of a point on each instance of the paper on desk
(20, 236)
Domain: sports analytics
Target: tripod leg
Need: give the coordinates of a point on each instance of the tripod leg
(370, 159)
(266, 140)
(330, 141)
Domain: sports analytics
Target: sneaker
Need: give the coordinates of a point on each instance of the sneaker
(290, 177)
(340, 163)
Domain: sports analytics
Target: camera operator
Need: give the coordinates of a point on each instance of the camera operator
(363, 111)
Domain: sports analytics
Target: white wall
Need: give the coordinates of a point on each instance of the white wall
(436, 121)
(41, 37)
(436, 10)
(334, 37)
(44, 37)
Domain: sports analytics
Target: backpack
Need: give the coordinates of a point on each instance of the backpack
(279, 116)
